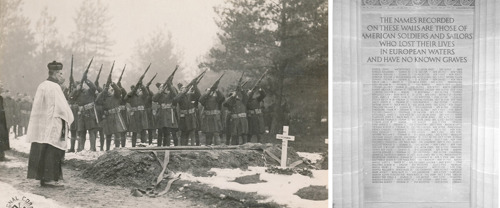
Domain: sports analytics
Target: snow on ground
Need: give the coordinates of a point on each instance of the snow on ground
(313, 157)
(13, 163)
(279, 188)
(12, 196)
(21, 145)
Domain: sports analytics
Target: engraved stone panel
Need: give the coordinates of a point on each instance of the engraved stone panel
(417, 74)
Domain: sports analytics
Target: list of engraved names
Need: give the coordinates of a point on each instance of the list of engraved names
(416, 125)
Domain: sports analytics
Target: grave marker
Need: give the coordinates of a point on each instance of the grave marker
(284, 145)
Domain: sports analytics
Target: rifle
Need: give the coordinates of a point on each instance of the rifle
(71, 79)
(259, 80)
(196, 80)
(238, 87)
(121, 75)
(108, 82)
(140, 79)
(244, 83)
(150, 81)
(170, 78)
(84, 77)
(201, 77)
(216, 83)
(97, 78)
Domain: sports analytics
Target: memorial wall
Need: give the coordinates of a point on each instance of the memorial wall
(416, 69)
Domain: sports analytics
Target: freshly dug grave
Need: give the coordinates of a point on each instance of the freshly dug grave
(129, 168)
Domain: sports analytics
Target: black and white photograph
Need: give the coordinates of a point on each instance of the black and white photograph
(217, 103)
(415, 100)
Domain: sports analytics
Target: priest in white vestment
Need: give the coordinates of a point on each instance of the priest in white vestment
(48, 129)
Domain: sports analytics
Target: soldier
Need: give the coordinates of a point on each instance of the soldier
(123, 112)
(186, 100)
(156, 106)
(99, 116)
(85, 96)
(167, 115)
(236, 104)
(138, 118)
(24, 115)
(73, 104)
(197, 110)
(211, 117)
(113, 122)
(226, 123)
(150, 126)
(10, 107)
(255, 116)
(17, 112)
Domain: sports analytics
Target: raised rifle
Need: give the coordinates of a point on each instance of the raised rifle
(71, 79)
(259, 80)
(240, 82)
(196, 80)
(84, 77)
(150, 81)
(97, 78)
(140, 79)
(201, 77)
(108, 82)
(244, 83)
(170, 78)
(121, 75)
(216, 83)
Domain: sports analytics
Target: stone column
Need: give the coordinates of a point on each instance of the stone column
(486, 105)
(347, 106)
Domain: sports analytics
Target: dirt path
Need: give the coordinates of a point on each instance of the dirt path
(79, 192)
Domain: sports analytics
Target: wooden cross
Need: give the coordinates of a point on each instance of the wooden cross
(284, 145)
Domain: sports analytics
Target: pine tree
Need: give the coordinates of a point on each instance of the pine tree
(289, 37)
(17, 48)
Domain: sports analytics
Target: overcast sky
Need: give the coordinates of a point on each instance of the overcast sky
(191, 23)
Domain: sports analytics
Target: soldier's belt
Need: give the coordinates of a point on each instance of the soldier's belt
(111, 111)
(239, 115)
(73, 106)
(138, 108)
(122, 107)
(211, 112)
(190, 111)
(166, 106)
(255, 111)
(25, 112)
(87, 106)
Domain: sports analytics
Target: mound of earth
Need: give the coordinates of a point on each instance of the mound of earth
(125, 168)
(313, 193)
(129, 168)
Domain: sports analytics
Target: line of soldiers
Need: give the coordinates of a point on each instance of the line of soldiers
(111, 110)
(17, 112)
